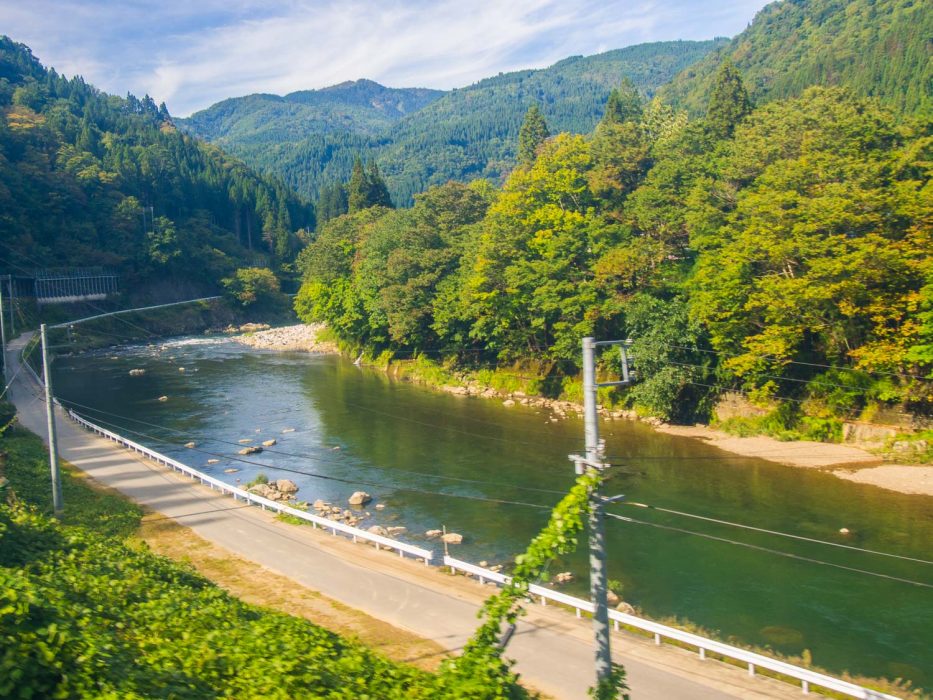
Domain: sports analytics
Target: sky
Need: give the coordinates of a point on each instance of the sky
(193, 53)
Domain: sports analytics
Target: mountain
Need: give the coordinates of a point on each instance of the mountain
(361, 106)
(876, 48)
(90, 179)
(423, 137)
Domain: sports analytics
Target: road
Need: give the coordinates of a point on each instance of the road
(553, 650)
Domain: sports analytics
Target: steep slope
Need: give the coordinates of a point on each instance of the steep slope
(877, 48)
(425, 138)
(92, 179)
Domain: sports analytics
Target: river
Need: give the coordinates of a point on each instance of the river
(479, 468)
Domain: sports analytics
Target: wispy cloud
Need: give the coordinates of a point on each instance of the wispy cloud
(192, 54)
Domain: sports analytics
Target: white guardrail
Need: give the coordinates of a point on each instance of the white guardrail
(240, 494)
(661, 632)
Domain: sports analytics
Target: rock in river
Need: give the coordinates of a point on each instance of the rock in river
(251, 450)
(286, 486)
(452, 538)
(359, 498)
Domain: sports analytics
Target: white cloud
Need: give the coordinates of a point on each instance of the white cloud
(192, 54)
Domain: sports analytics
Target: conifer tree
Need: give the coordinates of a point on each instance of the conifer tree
(624, 104)
(357, 188)
(378, 191)
(332, 203)
(533, 133)
(729, 102)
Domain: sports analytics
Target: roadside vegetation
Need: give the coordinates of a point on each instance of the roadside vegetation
(87, 610)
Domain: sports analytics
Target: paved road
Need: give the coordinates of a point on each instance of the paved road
(553, 650)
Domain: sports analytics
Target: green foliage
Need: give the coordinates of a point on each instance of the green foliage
(422, 138)
(482, 667)
(675, 379)
(728, 101)
(531, 136)
(877, 48)
(92, 179)
(256, 287)
(821, 249)
(87, 612)
(803, 237)
(260, 478)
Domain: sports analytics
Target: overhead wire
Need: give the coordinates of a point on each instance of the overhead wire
(499, 484)
(777, 533)
(326, 477)
(805, 364)
(308, 458)
(768, 550)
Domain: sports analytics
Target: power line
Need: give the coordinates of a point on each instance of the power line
(771, 551)
(780, 378)
(326, 477)
(805, 364)
(315, 459)
(539, 507)
(774, 532)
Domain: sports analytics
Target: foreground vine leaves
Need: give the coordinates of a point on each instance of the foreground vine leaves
(482, 671)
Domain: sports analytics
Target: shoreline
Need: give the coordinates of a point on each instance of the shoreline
(844, 461)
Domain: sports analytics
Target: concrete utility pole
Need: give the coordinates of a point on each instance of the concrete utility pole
(593, 460)
(597, 531)
(57, 503)
(12, 306)
(2, 336)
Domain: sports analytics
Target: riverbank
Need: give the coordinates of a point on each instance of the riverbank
(845, 461)
(297, 338)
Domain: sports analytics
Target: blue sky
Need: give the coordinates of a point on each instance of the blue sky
(196, 52)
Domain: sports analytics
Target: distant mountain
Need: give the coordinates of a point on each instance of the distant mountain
(424, 137)
(877, 48)
(361, 106)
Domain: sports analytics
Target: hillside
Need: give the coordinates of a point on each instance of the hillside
(361, 106)
(90, 179)
(429, 139)
(876, 48)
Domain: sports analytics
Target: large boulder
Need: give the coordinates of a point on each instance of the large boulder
(264, 490)
(434, 533)
(359, 498)
(286, 486)
(396, 530)
(452, 538)
(269, 443)
(378, 530)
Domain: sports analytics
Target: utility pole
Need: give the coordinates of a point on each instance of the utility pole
(12, 306)
(2, 335)
(57, 504)
(593, 461)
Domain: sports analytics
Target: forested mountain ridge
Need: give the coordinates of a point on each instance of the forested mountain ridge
(876, 48)
(92, 179)
(464, 134)
(361, 106)
(783, 252)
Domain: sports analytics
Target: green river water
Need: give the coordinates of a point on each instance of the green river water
(430, 457)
